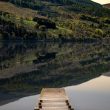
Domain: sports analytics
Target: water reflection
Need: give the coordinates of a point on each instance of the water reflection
(24, 57)
(27, 67)
(27, 103)
(92, 95)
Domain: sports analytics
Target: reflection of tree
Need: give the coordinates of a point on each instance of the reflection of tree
(22, 59)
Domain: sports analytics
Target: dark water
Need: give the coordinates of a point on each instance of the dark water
(25, 68)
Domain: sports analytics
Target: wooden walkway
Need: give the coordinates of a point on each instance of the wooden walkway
(53, 99)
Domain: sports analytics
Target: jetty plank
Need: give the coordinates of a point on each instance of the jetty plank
(53, 99)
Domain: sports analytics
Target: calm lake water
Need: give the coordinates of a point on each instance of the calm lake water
(26, 68)
(91, 95)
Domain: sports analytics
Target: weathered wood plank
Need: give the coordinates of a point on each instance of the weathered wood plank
(52, 94)
(53, 99)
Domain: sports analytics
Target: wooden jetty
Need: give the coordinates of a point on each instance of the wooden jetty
(53, 99)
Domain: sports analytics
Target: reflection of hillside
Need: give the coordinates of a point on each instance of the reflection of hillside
(107, 74)
(15, 55)
(64, 65)
(25, 53)
(18, 69)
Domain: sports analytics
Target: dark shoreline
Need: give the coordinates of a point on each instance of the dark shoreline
(73, 40)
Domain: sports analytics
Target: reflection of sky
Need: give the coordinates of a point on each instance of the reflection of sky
(92, 95)
(27, 103)
(102, 1)
(98, 84)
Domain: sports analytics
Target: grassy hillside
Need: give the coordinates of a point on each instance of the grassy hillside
(85, 6)
(20, 12)
(59, 20)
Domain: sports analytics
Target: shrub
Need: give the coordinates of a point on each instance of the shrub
(99, 32)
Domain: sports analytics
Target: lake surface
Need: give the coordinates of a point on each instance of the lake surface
(91, 95)
(27, 67)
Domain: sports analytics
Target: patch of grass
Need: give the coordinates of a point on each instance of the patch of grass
(18, 11)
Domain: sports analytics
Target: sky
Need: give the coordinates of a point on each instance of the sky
(102, 1)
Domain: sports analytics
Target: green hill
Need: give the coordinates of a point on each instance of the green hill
(85, 6)
(54, 20)
(19, 11)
